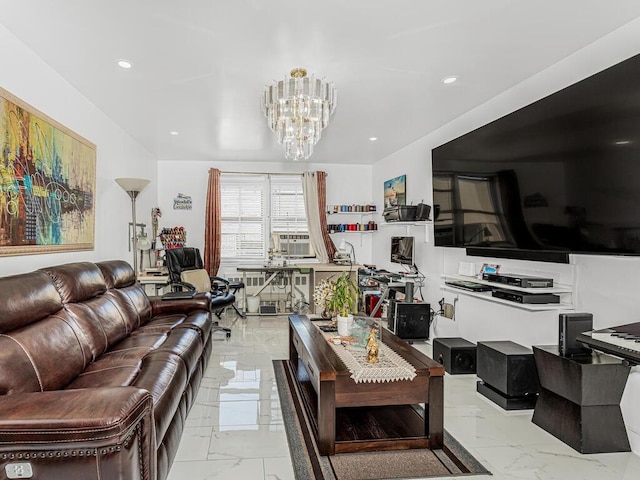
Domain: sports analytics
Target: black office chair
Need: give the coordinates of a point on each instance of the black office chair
(186, 271)
(223, 284)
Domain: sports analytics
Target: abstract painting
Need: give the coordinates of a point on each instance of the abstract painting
(47, 183)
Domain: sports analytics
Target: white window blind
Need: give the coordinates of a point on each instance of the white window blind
(243, 208)
(256, 205)
(287, 205)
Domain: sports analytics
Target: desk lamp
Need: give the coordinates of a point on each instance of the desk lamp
(133, 186)
(343, 248)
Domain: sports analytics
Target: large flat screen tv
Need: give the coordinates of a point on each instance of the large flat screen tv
(559, 176)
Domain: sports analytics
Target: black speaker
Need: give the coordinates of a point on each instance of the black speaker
(508, 367)
(412, 320)
(456, 354)
(570, 325)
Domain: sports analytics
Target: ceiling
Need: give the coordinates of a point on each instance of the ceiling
(201, 65)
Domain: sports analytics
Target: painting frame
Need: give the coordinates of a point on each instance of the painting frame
(395, 191)
(47, 183)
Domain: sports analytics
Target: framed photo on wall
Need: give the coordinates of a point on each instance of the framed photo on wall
(47, 183)
(395, 191)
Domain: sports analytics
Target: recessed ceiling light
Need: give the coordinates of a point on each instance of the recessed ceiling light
(373, 139)
(174, 133)
(623, 142)
(122, 63)
(449, 80)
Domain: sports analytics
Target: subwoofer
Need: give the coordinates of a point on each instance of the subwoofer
(456, 354)
(508, 374)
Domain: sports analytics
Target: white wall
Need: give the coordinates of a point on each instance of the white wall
(606, 286)
(346, 184)
(26, 76)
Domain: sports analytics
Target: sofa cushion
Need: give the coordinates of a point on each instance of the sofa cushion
(106, 376)
(117, 273)
(134, 303)
(165, 376)
(121, 281)
(101, 323)
(197, 320)
(26, 299)
(30, 357)
(77, 282)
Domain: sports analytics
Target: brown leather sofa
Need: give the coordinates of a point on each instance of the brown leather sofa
(96, 378)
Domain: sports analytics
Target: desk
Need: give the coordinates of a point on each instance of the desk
(153, 284)
(271, 273)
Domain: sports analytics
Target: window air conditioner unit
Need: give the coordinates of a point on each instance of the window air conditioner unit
(293, 245)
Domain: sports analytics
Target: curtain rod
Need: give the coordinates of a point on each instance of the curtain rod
(258, 173)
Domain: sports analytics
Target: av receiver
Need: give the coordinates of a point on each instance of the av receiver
(524, 297)
(523, 281)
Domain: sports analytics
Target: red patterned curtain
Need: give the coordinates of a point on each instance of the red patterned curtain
(322, 206)
(212, 224)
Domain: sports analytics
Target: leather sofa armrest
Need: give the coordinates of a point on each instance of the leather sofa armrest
(201, 301)
(94, 432)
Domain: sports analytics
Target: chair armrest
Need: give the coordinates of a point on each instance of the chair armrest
(219, 283)
(113, 426)
(180, 285)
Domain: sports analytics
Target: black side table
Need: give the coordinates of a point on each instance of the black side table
(579, 400)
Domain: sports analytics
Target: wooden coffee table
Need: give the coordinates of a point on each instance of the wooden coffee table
(353, 417)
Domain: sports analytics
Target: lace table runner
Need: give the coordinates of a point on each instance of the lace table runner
(391, 367)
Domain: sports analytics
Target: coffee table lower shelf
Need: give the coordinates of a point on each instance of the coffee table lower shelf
(358, 429)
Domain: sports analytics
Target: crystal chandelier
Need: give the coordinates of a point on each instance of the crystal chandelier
(298, 109)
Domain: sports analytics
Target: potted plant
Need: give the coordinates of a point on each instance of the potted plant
(343, 301)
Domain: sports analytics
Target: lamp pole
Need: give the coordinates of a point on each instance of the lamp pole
(133, 196)
(133, 187)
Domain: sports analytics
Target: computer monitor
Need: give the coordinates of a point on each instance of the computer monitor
(402, 250)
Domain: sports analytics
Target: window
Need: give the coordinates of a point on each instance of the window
(256, 205)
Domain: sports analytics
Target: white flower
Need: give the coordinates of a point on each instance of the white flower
(322, 293)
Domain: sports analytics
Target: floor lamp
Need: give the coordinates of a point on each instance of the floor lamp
(133, 186)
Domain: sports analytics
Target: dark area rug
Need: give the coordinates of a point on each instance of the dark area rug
(452, 460)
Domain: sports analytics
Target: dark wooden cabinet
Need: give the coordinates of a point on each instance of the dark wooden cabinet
(579, 399)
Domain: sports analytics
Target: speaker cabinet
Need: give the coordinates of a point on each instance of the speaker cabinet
(412, 320)
(508, 374)
(456, 354)
(570, 325)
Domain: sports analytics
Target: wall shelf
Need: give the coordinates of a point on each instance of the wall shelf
(555, 289)
(565, 292)
(408, 225)
(413, 223)
(351, 213)
(364, 217)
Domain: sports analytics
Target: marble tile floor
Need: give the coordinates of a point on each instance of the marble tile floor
(235, 429)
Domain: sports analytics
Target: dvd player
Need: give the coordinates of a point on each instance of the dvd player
(524, 297)
(523, 281)
(467, 285)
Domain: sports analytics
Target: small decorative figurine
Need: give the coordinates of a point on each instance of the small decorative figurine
(372, 346)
